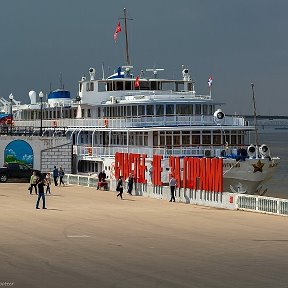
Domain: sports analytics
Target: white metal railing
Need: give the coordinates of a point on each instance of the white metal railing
(145, 121)
(109, 151)
(263, 204)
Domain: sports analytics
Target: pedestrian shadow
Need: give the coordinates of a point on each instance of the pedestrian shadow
(4, 196)
(128, 199)
(55, 195)
(54, 209)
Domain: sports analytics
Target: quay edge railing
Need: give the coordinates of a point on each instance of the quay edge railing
(226, 200)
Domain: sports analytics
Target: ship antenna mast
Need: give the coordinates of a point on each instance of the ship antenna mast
(126, 36)
(255, 115)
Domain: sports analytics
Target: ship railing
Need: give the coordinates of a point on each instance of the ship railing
(130, 122)
(109, 151)
(170, 94)
(262, 204)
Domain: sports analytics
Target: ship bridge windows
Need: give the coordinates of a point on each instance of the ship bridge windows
(134, 110)
(150, 110)
(159, 109)
(141, 110)
(90, 86)
(170, 109)
(197, 109)
(184, 109)
(217, 137)
(206, 138)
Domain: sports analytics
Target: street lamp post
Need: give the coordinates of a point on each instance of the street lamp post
(41, 111)
(11, 113)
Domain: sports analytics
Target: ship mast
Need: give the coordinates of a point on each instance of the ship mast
(126, 36)
(255, 115)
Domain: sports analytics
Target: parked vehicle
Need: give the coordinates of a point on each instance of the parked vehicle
(16, 171)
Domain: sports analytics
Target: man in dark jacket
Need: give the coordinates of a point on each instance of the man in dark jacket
(41, 193)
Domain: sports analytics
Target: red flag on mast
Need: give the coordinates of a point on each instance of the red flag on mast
(118, 29)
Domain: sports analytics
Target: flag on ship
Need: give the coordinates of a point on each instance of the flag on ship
(137, 84)
(118, 29)
(210, 81)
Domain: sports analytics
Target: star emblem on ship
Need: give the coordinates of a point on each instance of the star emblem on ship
(258, 166)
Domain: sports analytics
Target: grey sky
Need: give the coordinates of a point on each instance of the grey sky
(235, 41)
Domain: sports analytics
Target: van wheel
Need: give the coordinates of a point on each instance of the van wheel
(3, 178)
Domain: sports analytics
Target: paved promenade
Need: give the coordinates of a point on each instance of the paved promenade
(88, 238)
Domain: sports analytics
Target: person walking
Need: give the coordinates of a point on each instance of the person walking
(119, 187)
(61, 175)
(41, 193)
(130, 184)
(172, 184)
(48, 183)
(33, 182)
(55, 175)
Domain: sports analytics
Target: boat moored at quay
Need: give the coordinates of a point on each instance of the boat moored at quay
(157, 126)
(148, 115)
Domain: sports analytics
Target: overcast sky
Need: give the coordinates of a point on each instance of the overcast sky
(234, 41)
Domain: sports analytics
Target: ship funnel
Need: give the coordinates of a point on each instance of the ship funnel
(92, 73)
(32, 96)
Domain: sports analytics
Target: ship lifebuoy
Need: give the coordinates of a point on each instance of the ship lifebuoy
(54, 123)
(105, 123)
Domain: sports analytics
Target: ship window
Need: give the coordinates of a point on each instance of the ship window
(198, 109)
(195, 138)
(141, 110)
(80, 87)
(155, 138)
(176, 138)
(127, 85)
(168, 138)
(169, 109)
(185, 138)
(128, 111)
(159, 109)
(150, 110)
(90, 86)
(144, 85)
(89, 113)
(134, 110)
(145, 138)
(205, 109)
(154, 85)
(183, 109)
(114, 109)
(119, 85)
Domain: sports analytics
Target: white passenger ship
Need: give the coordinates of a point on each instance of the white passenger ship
(158, 116)
(150, 115)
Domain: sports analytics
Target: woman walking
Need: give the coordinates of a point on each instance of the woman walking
(48, 183)
(130, 184)
(119, 187)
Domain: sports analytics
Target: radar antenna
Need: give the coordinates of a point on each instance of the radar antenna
(155, 71)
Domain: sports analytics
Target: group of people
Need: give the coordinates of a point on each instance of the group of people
(58, 174)
(120, 187)
(37, 183)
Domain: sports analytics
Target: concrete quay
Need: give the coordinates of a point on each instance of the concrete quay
(89, 238)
